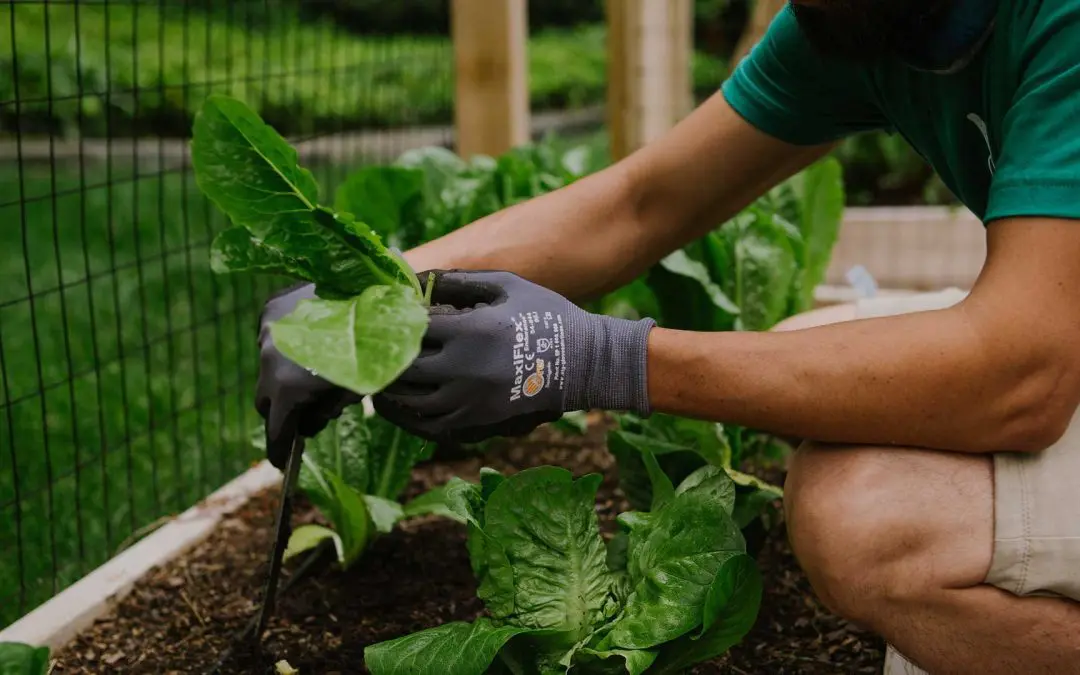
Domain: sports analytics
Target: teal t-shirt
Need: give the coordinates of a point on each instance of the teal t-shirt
(1003, 133)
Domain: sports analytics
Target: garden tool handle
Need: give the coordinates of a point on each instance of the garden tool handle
(283, 531)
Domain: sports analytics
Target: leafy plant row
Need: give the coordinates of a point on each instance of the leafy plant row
(663, 594)
(673, 588)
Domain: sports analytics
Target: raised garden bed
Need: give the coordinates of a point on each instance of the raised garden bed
(183, 615)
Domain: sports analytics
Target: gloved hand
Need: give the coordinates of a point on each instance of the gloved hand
(290, 399)
(503, 355)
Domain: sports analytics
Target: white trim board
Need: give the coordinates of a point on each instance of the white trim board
(911, 247)
(59, 620)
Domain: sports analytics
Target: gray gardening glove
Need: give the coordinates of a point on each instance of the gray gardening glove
(290, 399)
(503, 355)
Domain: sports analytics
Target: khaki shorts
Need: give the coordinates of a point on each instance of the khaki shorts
(1036, 495)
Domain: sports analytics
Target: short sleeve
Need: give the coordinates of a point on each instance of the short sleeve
(789, 91)
(1038, 170)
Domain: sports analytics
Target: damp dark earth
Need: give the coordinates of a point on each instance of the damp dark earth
(184, 617)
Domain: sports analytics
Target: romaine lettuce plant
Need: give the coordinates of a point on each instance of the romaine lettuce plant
(754, 270)
(678, 447)
(674, 588)
(430, 192)
(367, 321)
(354, 471)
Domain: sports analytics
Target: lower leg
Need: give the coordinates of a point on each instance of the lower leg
(985, 630)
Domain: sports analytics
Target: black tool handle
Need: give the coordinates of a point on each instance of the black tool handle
(283, 532)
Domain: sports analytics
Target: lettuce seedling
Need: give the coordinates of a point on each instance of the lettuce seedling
(354, 472)
(366, 324)
(675, 588)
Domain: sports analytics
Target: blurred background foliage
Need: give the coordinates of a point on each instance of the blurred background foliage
(143, 68)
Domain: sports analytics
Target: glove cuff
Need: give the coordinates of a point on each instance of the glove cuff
(610, 369)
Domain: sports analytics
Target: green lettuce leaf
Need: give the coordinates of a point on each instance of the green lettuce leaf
(544, 522)
(237, 250)
(465, 500)
(248, 169)
(440, 168)
(731, 608)
(342, 448)
(613, 662)
(662, 489)
(575, 422)
(432, 502)
(344, 507)
(490, 566)
(679, 262)
(307, 537)
(673, 563)
(251, 173)
(528, 171)
(362, 344)
(457, 648)
(389, 199)
(714, 483)
(385, 513)
(820, 190)
(393, 453)
(17, 658)
(674, 454)
(489, 480)
(352, 520)
(689, 299)
(762, 269)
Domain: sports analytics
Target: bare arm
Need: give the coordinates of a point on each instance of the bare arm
(604, 230)
(999, 371)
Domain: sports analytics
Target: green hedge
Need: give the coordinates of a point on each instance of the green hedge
(305, 76)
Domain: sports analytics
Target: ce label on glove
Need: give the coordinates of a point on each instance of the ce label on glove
(538, 353)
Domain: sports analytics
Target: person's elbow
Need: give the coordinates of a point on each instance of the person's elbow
(1035, 409)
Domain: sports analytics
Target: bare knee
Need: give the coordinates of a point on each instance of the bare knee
(862, 524)
(836, 511)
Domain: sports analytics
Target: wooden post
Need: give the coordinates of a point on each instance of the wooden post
(649, 77)
(491, 104)
(681, 25)
(619, 69)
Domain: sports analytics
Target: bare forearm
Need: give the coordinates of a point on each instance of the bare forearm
(928, 379)
(606, 229)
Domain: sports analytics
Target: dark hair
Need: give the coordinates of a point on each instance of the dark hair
(866, 31)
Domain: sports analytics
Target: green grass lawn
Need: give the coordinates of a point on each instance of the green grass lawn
(127, 387)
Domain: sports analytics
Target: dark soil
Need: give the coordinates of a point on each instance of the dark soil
(183, 617)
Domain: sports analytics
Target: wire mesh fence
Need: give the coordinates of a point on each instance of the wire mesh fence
(126, 367)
